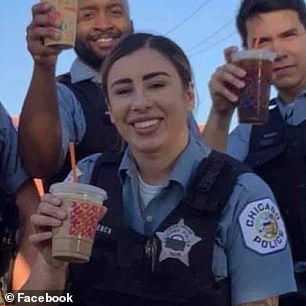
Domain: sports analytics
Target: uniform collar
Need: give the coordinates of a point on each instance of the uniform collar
(280, 102)
(80, 71)
(183, 169)
(298, 106)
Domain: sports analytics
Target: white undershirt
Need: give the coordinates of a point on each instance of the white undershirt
(148, 192)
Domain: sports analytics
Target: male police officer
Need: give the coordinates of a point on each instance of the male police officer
(277, 150)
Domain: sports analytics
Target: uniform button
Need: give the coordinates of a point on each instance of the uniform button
(149, 219)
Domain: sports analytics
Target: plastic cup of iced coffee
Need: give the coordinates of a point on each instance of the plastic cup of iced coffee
(73, 240)
(253, 105)
(65, 11)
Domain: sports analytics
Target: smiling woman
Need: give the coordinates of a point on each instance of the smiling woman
(149, 104)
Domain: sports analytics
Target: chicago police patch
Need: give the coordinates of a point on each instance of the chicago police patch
(262, 227)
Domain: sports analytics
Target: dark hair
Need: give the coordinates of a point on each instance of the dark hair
(251, 8)
(138, 41)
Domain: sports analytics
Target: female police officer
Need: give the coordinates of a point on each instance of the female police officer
(185, 225)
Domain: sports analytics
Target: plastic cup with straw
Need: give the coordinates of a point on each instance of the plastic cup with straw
(73, 240)
(253, 105)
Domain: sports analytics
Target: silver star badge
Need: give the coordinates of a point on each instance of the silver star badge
(177, 241)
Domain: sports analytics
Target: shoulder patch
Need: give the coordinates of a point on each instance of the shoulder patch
(262, 227)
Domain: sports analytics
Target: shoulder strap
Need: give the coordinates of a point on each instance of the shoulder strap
(214, 181)
(105, 175)
(105, 165)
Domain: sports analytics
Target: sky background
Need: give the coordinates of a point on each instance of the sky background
(203, 28)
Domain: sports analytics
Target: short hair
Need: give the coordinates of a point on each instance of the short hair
(161, 44)
(251, 8)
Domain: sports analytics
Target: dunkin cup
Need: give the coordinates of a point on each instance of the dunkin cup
(253, 105)
(66, 12)
(73, 240)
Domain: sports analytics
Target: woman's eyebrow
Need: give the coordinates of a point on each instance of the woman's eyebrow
(145, 77)
(154, 74)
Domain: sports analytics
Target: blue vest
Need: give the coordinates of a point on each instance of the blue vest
(173, 265)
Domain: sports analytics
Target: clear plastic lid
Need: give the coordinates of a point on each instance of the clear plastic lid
(254, 54)
(85, 191)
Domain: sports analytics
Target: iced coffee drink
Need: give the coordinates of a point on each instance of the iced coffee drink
(64, 11)
(74, 239)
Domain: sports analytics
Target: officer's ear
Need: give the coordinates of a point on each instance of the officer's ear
(190, 97)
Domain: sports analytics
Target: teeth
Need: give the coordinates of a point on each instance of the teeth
(104, 40)
(145, 124)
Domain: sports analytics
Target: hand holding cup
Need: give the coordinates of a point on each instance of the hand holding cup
(83, 203)
(55, 229)
(225, 84)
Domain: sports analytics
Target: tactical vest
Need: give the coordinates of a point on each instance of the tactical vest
(277, 153)
(171, 267)
(100, 132)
